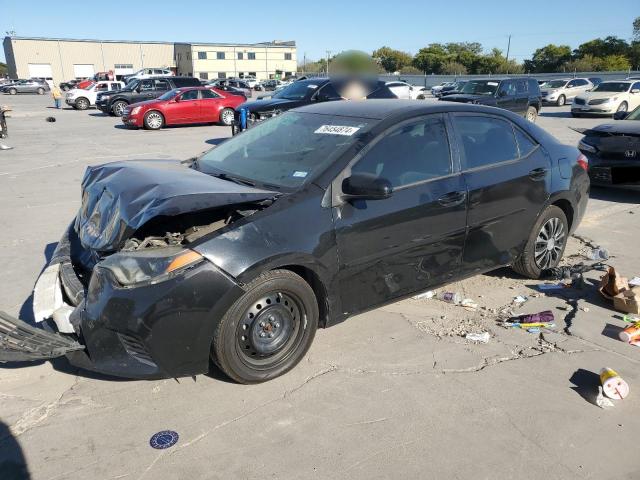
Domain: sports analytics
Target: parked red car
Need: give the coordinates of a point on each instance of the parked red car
(184, 106)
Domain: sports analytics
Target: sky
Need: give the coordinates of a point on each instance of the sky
(328, 24)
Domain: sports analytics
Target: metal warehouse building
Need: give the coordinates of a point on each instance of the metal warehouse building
(62, 59)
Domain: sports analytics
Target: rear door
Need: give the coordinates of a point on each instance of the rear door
(506, 96)
(522, 96)
(414, 239)
(210, 106)
(507, 176)
(146, 92)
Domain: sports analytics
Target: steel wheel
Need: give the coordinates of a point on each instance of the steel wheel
(623, 107)
(550, 243)
(153, 120)
(118, 108)
(227, 116)
(270, 330)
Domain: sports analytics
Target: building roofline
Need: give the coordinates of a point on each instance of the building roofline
(260, 44)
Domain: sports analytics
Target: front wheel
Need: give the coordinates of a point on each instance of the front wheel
(531, 114)
(153, 120)
(227, 116)
(623, 107)
(41, 91)
(118, 108)
(12, 91)
(82, 103)
(545, 245)
(268, 330)
(561, 101)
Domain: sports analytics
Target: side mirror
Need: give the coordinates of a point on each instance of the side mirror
(139, 88)
(620, 115)
(635, 90)
(366, 186)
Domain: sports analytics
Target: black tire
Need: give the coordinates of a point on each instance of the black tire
(40, 91)
(153, 120)
(227, 116)
(12, 91)
(117, 108)
(561, 101)
(82, 103)
(531, 114)
(532, 262)
(623, 107)
(268, 330)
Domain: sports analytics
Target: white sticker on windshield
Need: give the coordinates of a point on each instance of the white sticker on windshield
(337, 130)
(299, 174)
(493, 84)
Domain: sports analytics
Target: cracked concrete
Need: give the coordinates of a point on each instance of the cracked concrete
(391, 393)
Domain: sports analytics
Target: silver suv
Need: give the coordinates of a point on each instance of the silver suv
(563, 90)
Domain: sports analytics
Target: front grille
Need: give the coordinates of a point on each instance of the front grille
(578, 101)
(598, 101)
(136, 349)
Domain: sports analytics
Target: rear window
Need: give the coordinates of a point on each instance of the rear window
(486, 140)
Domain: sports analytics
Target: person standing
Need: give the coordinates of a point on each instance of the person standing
(57, 95)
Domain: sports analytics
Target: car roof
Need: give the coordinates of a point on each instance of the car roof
(379, 109)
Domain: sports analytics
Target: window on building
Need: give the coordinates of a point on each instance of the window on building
(287, 56)
(252, 74)
(220, 55)
(251, 55)
(204, 75)
(222, 75)
(240, 56)
(202, 55)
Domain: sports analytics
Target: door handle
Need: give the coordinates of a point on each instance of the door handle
(538, 173)
(452, 199)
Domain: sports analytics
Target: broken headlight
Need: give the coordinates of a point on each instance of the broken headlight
(149, 266)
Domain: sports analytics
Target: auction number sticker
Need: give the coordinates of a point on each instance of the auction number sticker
(337, 130)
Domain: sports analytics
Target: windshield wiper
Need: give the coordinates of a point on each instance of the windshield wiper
(229, 178)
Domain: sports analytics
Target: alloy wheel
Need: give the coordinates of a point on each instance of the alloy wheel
(118, 108)
(227, 117)
(270, 330)
(550, 243)
(622, 107)
(154, 120)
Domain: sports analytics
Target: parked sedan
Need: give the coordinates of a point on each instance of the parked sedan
(27, 86)
(613, 150)
(183, 106)
(400, 89)
(608, 98)
(561, 91)
(301, 222)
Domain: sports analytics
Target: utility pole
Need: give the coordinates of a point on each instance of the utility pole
(328, 54)
(508, 47)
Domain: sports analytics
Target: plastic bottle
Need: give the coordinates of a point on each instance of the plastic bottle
(599, 254)
(450, 297)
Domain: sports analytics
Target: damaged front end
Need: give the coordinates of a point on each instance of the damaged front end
(124, 293)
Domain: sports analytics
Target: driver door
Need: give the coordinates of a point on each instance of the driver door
(412, 240)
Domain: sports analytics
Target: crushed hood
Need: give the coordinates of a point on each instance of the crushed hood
(620, 127)
(120, 197)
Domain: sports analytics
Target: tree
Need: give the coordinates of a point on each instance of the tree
(600, 47)
(636, 29)
(613, 63)
(549, 58)
(634, 54)
(353, 61)
(465, 53)
(588, 63)
(431, 58)
(3, 69)
(453, 68)
(410, 70)
(392, 60)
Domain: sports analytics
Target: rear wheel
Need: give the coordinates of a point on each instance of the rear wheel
(82, 103)
(40, 91)
(227, 116)
(268, 330)
(531, 114)
(561, 100)
(153, 120)
(12, 91)
(545, 245)
(118, 107)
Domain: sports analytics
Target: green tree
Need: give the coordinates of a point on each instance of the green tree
(588, 63)
(353, 61)
(613, 63)
(600, 47)
(465, 53)
(431, 58)
(636, 29)
(3, 69)
(549, 58)
(453, 68)
(634, 54)
(392, 60)
(410, 70)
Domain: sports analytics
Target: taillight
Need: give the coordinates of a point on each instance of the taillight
(583, 162)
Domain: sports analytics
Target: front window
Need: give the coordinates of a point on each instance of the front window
(554, 84)
(285, 151)
(481, 87)
(295, 91)
(612, 87)
(170, 94)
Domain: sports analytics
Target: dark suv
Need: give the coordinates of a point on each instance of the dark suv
(140, 90)
(519, 95)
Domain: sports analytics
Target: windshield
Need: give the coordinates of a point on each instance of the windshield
(169, 95)
(284, 151)
(612, 87)
(554, 84)
(89, 87)
(295, 91)
(481, 87)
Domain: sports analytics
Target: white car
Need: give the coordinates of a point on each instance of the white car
(400, 89)
(83, 98)
(251, 81)
(608, 98)
(420, 93)
(149, 72)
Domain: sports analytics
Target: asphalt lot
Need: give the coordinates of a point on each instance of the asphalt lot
(393, 393)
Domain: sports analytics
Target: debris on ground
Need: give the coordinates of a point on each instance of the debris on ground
(602, 401)
(164, 439)
(520, 299)
(631, 334)
(425, 295)
(450, 297)
(634, 282)
(598, 253)
(551, 286)
(628, 301)
(478, 337)
(50, 119)
(612, 283)
(469, 304)
(613, 385)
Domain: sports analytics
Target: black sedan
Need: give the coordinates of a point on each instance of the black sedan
(298, 223)
(613, 150)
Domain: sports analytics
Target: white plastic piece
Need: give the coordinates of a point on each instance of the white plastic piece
(47, 294)
(478, 337)
(425, 296)
(61, 317)
(602, 401)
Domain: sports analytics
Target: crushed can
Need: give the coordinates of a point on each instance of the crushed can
(613, 385)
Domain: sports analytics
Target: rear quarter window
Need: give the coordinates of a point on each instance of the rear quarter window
(485, 140)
